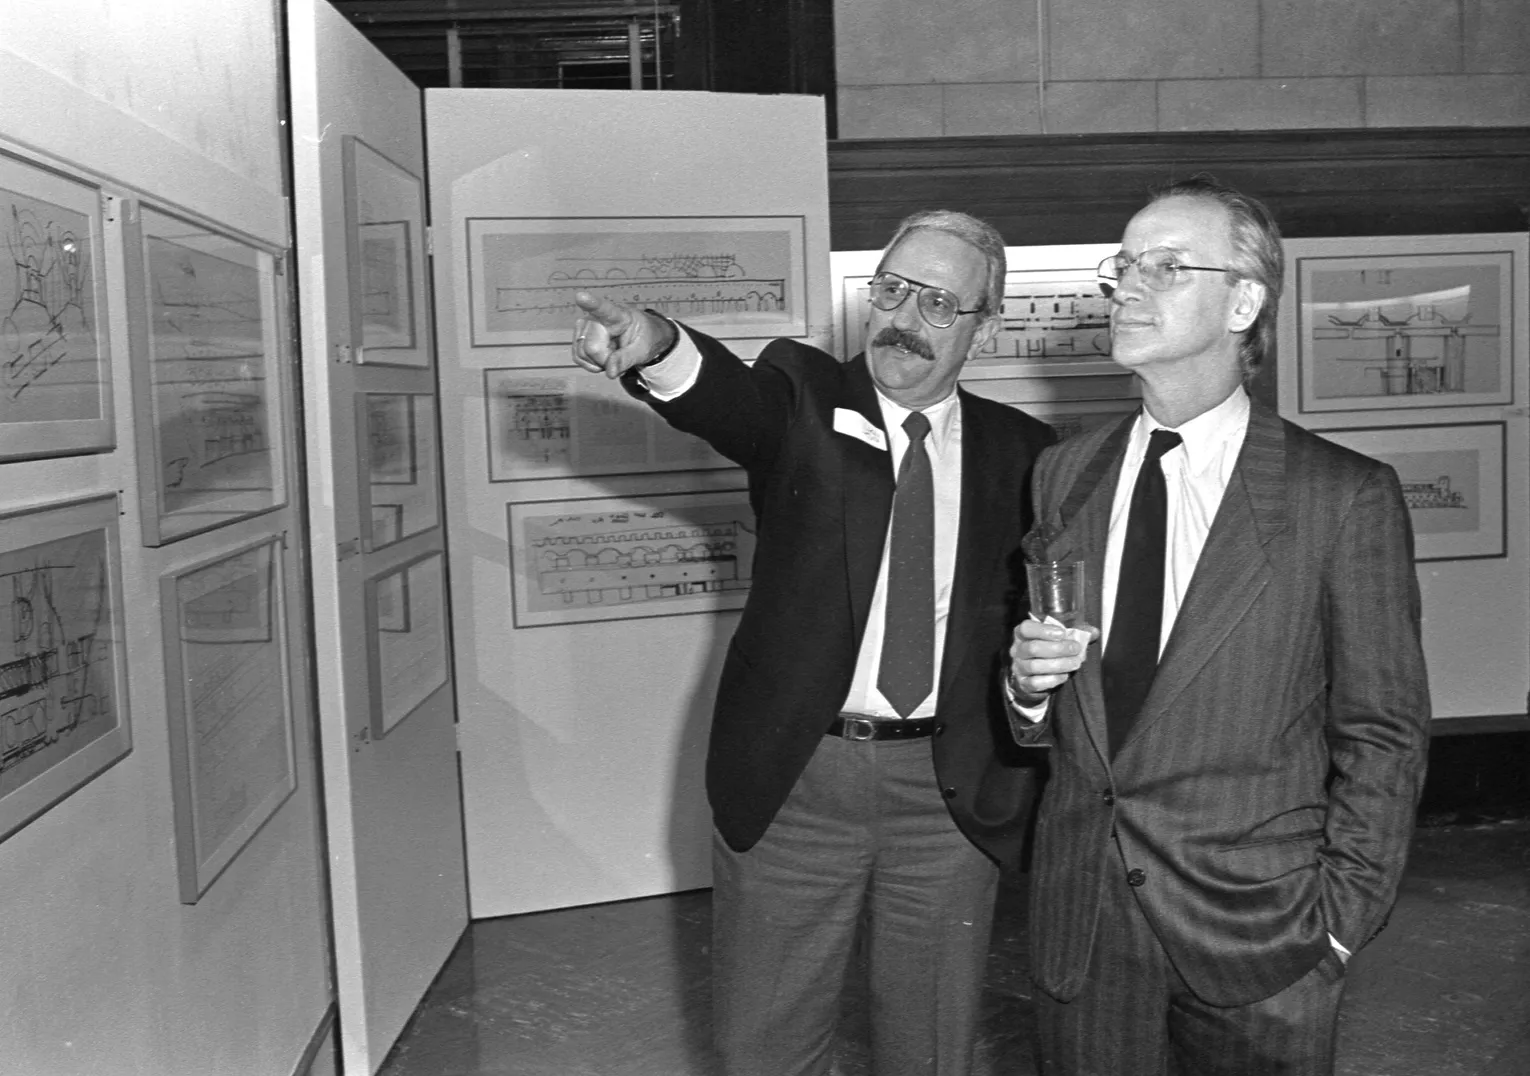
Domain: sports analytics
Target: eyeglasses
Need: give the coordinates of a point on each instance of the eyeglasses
(1159, 268)
(936, 305)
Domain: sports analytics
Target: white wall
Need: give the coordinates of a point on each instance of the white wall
(106, 971)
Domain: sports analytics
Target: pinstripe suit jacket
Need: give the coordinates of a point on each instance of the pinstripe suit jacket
(1266, 792)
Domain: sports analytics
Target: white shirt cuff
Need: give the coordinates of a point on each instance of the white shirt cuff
(673, 375)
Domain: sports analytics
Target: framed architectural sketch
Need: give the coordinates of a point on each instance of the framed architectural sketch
(406, 633)
(63, 715)
(560, 422)
(385, 256)
(207, 379)
(1452, 478)
(400, 478)
(1056, 318)
(1403, 322)
(607, 558)
(732, 277)
(229, 693)
(55, 351)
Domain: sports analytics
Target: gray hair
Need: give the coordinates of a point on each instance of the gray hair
(975, 233)
(1257, 256)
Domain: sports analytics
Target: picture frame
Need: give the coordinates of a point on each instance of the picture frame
(385, 259)
(736, 278)
(64, 718)
(1056, 318)
(233, 759)
(209, 384)
(1402, 322)
(618, 558)
(55, 332)
(399, 472)
(1453, 479)
(407, 657)
(559, 422)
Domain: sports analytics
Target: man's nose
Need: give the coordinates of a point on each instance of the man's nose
(907, 314)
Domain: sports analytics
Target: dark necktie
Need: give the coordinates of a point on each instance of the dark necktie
(1131, 658)
(908, 645)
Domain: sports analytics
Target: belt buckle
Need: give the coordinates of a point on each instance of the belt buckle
(859, 729)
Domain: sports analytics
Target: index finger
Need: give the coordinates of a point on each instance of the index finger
(615, 317)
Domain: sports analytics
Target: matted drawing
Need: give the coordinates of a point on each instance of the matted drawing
(400, 479)
(732, 277)
(1452, 478)
(1056, 318)
(561, 422)
(55, 355)
(406, 618)
(232, 753)
(63, 673)
(1404, 322)
(385, 227)
(618, 558)
(207, 380)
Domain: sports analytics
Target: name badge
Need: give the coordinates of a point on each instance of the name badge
(854, 424)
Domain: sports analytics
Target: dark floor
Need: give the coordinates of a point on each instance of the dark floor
(621, 989)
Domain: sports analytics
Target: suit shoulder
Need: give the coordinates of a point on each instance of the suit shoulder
(1012, 421)
(1308, 448)
(798, 361)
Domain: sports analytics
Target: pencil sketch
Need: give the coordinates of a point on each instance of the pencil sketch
(387, 300)
(57, 642)
(548, 424)
(208, 366)
(231, 729)
(408, 640)
(400, 470)
(391, 439)
(610, 559)
(739, 277)
(385, 228)
(50, 353)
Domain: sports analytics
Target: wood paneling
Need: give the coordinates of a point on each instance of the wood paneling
(1084, 188)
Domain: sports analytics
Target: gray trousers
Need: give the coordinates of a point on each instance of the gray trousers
(864, 833)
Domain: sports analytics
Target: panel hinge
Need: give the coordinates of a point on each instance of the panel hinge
(430, 241)
(348, 549)
(343, 354)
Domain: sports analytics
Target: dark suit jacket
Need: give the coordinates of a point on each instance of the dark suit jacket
(1267, 790)
(822, 501)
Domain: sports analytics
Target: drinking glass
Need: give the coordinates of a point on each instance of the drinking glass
(1057, 591)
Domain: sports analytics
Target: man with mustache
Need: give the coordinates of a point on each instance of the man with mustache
(1238, 752)
(855, 769)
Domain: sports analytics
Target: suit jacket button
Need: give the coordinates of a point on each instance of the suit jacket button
(949, 793)
(1136, 876)
(1109, 797)
(940, 728)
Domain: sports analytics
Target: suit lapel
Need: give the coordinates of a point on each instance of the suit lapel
(1233, 568)
(867, 484)
(984, 476)
(1085, 520)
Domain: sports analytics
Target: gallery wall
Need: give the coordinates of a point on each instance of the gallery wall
(1007, 67)
(126, 949)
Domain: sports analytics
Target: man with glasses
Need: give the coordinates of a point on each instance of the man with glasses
(858, 767)
(1238, 750)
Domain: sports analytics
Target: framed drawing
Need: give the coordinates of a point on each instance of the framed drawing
(64, 710)
(55, 351)
(207, 379)
(400, 480)
(385, 230)
(1452, 478)
(1403, 322)
(607, 558)
(229, 694)
(733, 277)
(560, 422)
(406, 634)
(1056, 318)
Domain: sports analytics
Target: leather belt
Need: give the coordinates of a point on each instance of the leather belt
(857, 727)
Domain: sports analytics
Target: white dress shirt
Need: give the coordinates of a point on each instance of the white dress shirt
(679, 370)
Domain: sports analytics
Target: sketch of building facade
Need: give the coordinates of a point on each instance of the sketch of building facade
(1436, 494)
(1052, 320)
(644, 564)
(1405, 367)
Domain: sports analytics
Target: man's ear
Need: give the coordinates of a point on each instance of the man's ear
(1252, 296)
(985, 333)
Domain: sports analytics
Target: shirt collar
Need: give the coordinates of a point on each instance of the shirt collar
(1206, 436)
(943, 417)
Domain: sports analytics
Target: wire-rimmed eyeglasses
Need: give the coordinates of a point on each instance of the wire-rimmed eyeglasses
(1159, 268)
(937, 306)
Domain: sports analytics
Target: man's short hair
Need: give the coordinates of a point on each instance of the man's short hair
(974, 233)
(1257, 256)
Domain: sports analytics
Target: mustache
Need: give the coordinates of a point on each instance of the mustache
(891, 336)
